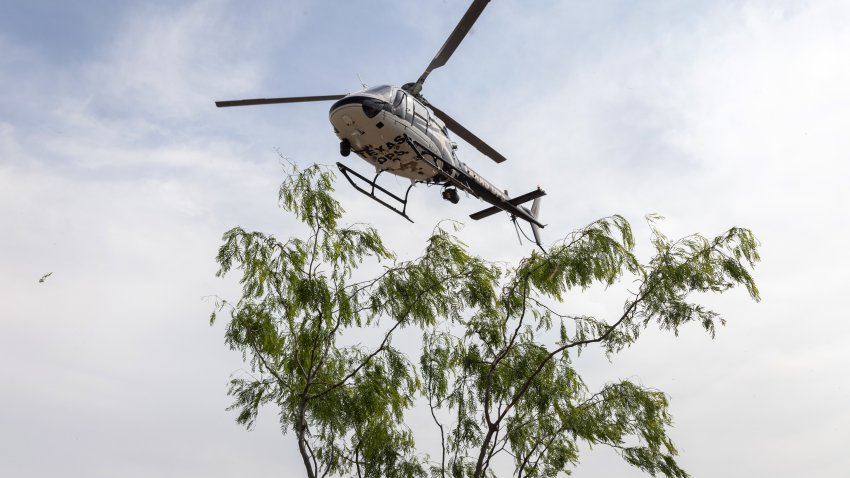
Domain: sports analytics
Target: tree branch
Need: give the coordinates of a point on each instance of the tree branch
(360, 366)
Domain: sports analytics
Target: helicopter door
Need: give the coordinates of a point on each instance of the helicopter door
(420, 117)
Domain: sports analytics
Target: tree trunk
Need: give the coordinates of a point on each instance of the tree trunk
(482, 455)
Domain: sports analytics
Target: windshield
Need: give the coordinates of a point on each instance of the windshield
(383, 91)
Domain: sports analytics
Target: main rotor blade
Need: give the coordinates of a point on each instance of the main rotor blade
(270, 101)
(460, 31)
(467, 135)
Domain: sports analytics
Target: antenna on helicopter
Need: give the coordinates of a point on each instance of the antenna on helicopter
(535, 232)
(517, 229)
(364, 85)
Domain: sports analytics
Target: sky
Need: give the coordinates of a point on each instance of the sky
(118, 175)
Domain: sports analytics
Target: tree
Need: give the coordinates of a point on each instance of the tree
(495, 360)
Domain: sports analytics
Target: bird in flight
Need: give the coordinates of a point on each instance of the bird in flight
(45, 276)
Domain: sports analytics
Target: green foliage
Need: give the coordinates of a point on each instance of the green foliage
(495, 363)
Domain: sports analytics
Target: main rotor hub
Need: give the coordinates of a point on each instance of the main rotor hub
(413, 88)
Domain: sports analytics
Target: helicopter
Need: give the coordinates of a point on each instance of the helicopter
(396, 130)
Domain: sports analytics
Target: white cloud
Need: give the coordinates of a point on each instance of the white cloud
(169, 61)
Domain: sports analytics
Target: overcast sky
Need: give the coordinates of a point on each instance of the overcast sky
(118, 175)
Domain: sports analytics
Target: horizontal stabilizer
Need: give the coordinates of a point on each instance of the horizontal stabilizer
(515, 202)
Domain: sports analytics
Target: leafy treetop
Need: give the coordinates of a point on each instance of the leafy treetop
(495, 360)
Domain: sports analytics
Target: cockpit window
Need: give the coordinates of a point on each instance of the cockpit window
(373, 106)
(439, 124)
(383, 91)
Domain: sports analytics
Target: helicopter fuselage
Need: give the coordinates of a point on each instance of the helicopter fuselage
(399, 132)
(391, 129)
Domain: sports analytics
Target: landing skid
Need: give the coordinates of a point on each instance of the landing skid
(346, 171)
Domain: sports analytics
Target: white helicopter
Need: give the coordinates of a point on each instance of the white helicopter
(399, 132)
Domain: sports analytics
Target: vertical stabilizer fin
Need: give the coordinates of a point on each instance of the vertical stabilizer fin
(535, 210)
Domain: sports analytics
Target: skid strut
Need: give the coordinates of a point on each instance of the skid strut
(371, 193)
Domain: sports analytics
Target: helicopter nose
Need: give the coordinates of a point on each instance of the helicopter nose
(347, 118)
(348, 101)
(345, 114)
